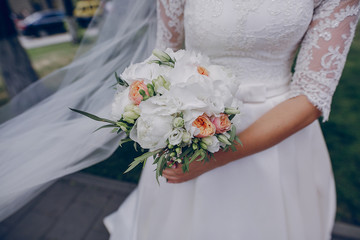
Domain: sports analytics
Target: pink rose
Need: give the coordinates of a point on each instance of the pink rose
(221, 123)
(206, 127)
(134, 94)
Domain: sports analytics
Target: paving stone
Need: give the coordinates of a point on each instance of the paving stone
(31, 227)
(98, 235)
(81, 215)
(111, 206)
(58, 198)
(11, 222)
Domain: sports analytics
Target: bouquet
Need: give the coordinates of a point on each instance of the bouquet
(177, 106)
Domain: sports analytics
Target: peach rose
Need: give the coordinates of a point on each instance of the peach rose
(134, 94)
(221, 123)
(202, 71)
(206, 127)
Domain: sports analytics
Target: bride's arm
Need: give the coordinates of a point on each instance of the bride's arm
(318, 69)
(170, 24)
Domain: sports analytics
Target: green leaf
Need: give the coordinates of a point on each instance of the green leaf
(121, 81)
(239, 141)
(160, 167)
(231, 116)
(186, 152)
(92, 116)
(185, 166)
(156, 160)
(141, 159)
(195, 155)
(106, 126)
(233, 148)
(125, 140)
(232, 133)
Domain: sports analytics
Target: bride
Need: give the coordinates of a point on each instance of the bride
(279, 185)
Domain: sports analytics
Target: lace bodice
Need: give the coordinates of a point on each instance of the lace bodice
(258, 40)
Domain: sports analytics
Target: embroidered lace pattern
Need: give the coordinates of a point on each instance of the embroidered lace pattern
(323, 52)
(170, 27)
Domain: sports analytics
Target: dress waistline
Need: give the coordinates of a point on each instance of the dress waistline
(258, 92)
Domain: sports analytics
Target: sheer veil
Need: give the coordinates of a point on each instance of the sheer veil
(41, 140)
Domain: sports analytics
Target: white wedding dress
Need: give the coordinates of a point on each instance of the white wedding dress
(287, 191)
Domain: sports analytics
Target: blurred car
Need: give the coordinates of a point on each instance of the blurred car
(84, 11)
(43, 23)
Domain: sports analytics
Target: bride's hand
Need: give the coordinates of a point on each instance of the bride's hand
(176, 175)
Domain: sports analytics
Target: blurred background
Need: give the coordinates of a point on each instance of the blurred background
(44, 35)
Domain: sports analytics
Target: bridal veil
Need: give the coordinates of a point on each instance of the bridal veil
(41, 140)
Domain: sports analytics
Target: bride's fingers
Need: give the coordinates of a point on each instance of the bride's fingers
(178, 170)
(176, 179)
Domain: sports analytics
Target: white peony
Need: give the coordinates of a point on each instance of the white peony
(152, 131)
(144, 71)
(159, 105)
(186, 67)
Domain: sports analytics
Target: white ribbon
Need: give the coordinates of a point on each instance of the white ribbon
(258, 92)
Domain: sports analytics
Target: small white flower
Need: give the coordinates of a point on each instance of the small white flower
(214, 146)
(175, 137)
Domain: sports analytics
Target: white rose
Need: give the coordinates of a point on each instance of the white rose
(175, 137)
(152, 131)
(121, 100)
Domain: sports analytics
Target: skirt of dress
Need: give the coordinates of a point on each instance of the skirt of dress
(283, 193)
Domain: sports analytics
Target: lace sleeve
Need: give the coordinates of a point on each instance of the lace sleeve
(170, 24)
(323, 52)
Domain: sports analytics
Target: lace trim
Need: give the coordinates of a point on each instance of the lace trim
(323, 52)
